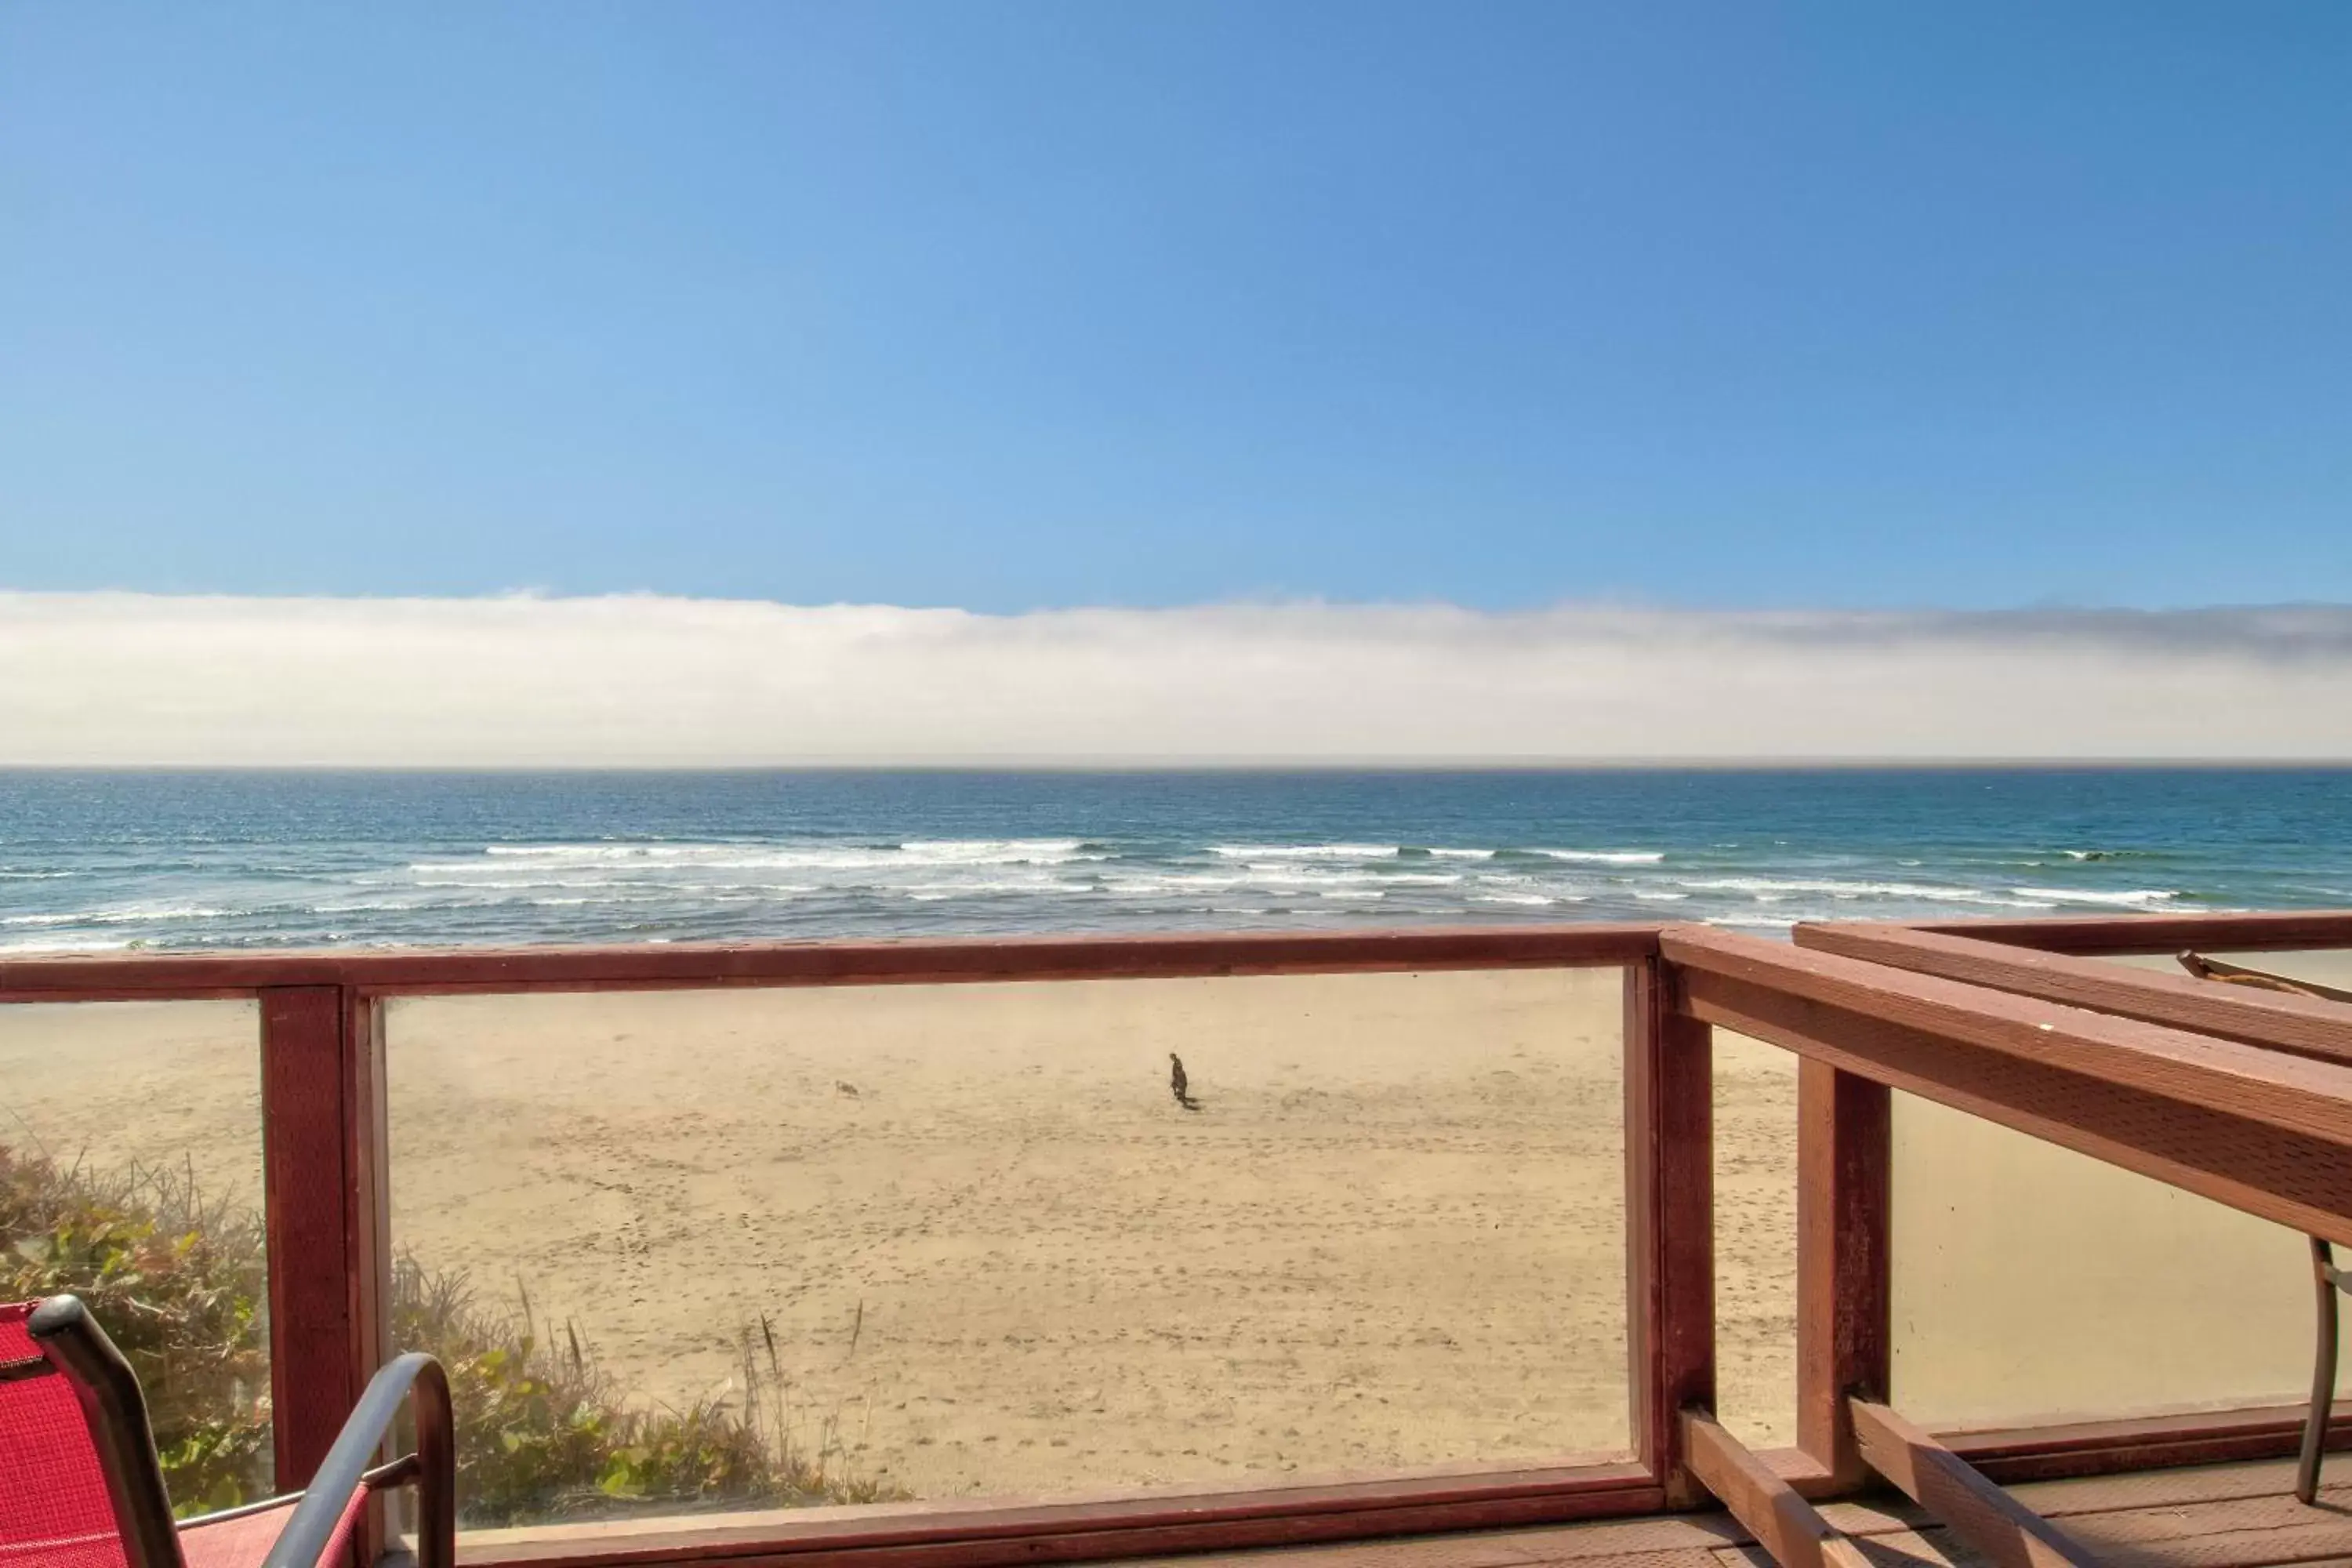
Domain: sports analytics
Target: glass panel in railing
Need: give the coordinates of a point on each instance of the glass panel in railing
(1756, 1240)
(2031, 1284)
(751, 1249)
(131, 1175)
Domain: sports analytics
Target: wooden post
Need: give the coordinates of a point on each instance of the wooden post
(1842, 1326)
(368, 1194)
(367, 1220)
(321, 1110)
(1669, 1223)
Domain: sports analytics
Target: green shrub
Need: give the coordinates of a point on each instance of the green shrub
(179, 1281)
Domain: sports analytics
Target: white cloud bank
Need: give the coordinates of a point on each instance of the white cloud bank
(641, 680)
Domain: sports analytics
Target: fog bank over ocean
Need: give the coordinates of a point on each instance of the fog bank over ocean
(641, 680)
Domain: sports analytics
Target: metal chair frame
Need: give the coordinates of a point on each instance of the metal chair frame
(2327, 1281)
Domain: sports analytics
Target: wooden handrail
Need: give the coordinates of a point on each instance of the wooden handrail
(2270, 1088)
(416, 972)
(943, 961)
(2257, 1129)
(2273, 931)
(2304, 1026)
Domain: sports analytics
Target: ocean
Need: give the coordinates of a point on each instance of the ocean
(109, 860)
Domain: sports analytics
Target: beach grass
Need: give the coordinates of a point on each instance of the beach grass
(179, 1279)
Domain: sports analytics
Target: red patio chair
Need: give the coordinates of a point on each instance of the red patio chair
(80, 1486)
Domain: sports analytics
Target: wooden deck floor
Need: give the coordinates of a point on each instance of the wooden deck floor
(2221, 1516)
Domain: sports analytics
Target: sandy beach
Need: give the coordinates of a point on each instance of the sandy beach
(998, 1257)
(1390, 1235)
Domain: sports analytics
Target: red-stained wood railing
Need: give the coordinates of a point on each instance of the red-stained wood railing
(2060, 961)
(2274, 930)
(1995, 1030)
(2303, 1026)
(1844, 1154)
(2258, 1130)
(325, 1205)
(2253, 1109)
(714, 965)
(1669, 1222)
(326, 1186)
(317, 1162)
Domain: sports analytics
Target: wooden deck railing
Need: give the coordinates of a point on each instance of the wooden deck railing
(2098, 1057)
(2242, 1097)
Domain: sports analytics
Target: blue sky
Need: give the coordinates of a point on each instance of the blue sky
(1011, 306)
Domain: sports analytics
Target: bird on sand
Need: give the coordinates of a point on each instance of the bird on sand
(1179, 1084)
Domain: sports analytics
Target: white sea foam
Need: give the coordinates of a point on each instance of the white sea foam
(517, 884)
(1607, 857)
(2130, 897)
(726, 889)
(572, 851)
(743, 856)
(1178, 882)
(1769, 888)
(1306, 851)
(699, 868)
(987, 887)
(1464, 854)
(984, 850)
(119, 917)
(1529, 899)
(1280, 876)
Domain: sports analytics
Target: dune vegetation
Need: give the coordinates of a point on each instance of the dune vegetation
(179, 1281)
